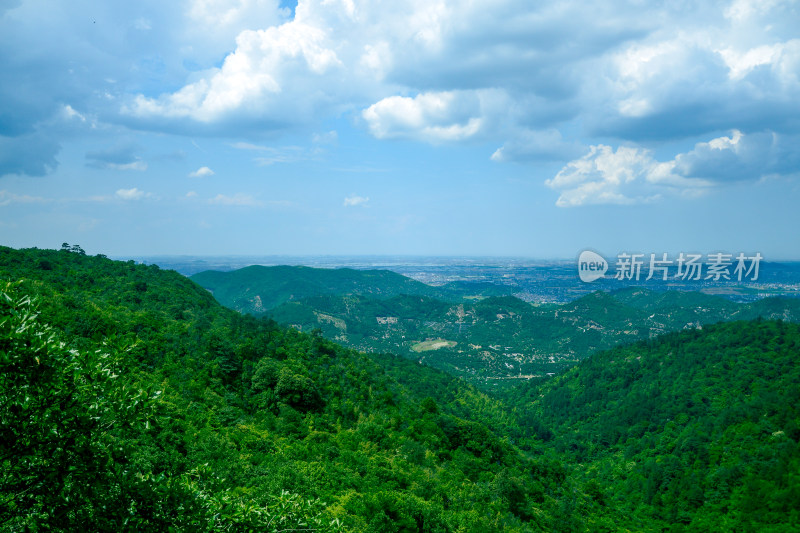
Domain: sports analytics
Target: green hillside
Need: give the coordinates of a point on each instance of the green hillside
(498, 342)
(257, 289)
(698, 429)
(131, 400)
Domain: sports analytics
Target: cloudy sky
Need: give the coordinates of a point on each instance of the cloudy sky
(457, 127)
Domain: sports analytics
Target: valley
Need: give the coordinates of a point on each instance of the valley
(494, 342)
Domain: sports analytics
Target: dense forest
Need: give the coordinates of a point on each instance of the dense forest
(698, 428)
(132, 400)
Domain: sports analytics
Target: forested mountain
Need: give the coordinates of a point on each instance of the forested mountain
(494, 342)
(130, 400)
(697, 428)
(256, 289)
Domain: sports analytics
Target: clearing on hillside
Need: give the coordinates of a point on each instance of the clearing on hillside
(434, 344)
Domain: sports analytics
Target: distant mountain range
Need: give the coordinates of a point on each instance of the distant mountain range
(474, 330)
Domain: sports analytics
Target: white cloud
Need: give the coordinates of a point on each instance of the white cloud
(632, 175)
(201, 172)
(137, 165)
(354, 200)
(69, 113)
(238, 199)
(254, 79)
(234, 14)
(444, 116)
(740, 64)
(341, 55)
(536, 79)
(455, 70)
(742, 157)
(603, 176)
(131, 194)
(747, 9)
(739, 68)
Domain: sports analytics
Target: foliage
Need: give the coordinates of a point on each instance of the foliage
(698, 428)
(252, 415)
(65, 417)
(258, 427)
(256, 288)
(498, 342)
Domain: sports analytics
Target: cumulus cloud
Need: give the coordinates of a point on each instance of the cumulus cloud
(336, 55)
(430, 70)
(739, 72)
(201, 172)
(444, 116)
(605, 176)
(95, 54)
(253, 79)
(353, 200)
(214, 24)
(537, 79)
(632, 175)
(741, 157)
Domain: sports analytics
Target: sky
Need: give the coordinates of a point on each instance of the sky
(435, 127)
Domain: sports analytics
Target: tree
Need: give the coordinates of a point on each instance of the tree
(64, 415)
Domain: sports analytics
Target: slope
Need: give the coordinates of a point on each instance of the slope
(498, 342)
(697, 429)
(256, 427)
(256, 289)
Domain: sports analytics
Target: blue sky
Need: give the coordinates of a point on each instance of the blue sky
(422, 127)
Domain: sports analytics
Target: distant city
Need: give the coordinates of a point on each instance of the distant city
(535, 281)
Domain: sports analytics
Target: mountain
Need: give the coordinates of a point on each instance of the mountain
(498, 342)
(697, 429)
(131, 400)
(257, 289)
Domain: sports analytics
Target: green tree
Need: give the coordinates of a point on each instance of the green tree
(63, 419)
